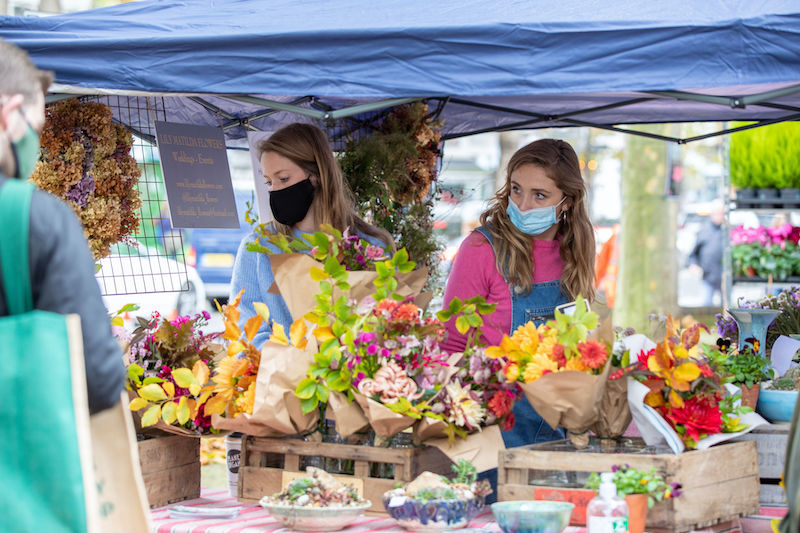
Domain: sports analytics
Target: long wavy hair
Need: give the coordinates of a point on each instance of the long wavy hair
(514, 249)
(307, 146)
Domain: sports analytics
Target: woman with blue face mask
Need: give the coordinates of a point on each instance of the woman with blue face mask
(534, 250)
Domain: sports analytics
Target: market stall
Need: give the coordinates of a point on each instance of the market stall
(340, 63)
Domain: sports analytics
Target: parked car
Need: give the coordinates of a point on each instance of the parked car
(212, 251)
(136, 274)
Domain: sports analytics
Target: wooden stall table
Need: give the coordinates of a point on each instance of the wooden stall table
(255, 519)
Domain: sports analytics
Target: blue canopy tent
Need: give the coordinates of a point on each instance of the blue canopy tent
(483, 64)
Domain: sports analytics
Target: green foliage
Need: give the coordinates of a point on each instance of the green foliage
(298, 487)
(465, 472)
(755, 259)
(392, 173)
(766, 157)
(574, 329)
(746, 368)
(783, 384)
(630, 480)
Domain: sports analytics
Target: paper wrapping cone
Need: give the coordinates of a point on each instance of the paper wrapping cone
(615, 413)
(291, 272)
(276, 409)
(427, 429)
(482, 449)
(383, 420)
(349, 416)
(568, 399)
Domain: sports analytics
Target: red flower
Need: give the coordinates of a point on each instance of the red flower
(706, 371)
(698, 415)
(593, 354)
(500, 404)
(558, 355)
(508, 422)
(644, 356)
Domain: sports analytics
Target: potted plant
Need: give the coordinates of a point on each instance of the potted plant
(747, 369)
(641, 489)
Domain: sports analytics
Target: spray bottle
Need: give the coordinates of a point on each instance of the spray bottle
(607, 512)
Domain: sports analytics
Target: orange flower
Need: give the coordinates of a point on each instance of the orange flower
(593, 354)
(406, 313)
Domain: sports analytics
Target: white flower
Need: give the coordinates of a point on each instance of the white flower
(464, 411)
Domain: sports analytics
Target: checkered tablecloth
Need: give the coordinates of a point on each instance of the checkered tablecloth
(255, 519)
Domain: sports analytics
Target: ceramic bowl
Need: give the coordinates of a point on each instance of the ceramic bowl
(431, 515)
(303, 518)
(532, 516)
(776, 405)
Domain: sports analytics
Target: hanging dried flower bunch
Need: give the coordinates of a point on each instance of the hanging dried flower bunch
(391, 172)
(85, 159)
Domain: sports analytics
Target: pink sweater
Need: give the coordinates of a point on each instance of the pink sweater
(474, 273)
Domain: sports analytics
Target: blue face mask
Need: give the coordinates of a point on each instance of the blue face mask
(533, 221)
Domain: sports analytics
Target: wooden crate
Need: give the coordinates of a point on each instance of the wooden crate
(771, 443)
(720, 484)
(170, 469)
(264, 460)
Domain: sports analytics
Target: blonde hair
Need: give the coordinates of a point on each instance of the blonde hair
(307, 146)
(514, 249)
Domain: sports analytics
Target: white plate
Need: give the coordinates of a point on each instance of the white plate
(305, 518)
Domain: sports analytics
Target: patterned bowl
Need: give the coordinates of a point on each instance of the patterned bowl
(304, 518)
(532, 516)
(431, 515)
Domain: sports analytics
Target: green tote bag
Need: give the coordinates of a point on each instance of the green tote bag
(42, 379)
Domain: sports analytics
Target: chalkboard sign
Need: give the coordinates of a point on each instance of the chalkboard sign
(196, 174)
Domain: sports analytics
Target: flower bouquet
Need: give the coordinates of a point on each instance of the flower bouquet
(293, 258)
(169, 365)
(677, 382)
(253, 386)
(379, 351)
(561, 373)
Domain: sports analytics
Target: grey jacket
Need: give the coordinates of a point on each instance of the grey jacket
(62, 280)
(707, 252)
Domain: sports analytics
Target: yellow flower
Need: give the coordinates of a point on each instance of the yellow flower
(547, 343)
(537, 367)
(527, 337)
(512, 372)
(244, 403)
(576, 364)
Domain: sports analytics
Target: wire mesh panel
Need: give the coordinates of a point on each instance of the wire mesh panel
(154, 261)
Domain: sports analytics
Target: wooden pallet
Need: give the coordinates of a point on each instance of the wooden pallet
(265, 463)
(720, 484)
(170, 469)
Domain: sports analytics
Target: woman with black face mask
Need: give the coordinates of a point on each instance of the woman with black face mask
(306, 189)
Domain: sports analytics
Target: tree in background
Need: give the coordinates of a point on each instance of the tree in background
(648, 266)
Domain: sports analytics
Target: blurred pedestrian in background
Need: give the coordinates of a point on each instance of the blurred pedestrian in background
(706, 256)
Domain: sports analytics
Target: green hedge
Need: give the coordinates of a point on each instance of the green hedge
(767, 157)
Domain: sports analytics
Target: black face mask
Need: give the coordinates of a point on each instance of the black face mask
(290, 205)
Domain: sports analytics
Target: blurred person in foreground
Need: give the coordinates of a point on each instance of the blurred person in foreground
(706, 256)
(61, 265)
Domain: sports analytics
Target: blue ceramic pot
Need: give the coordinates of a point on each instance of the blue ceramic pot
(431, 515)
(532, 516)
(776, 405)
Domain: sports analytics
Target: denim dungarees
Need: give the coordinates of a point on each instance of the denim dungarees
(539, 306)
